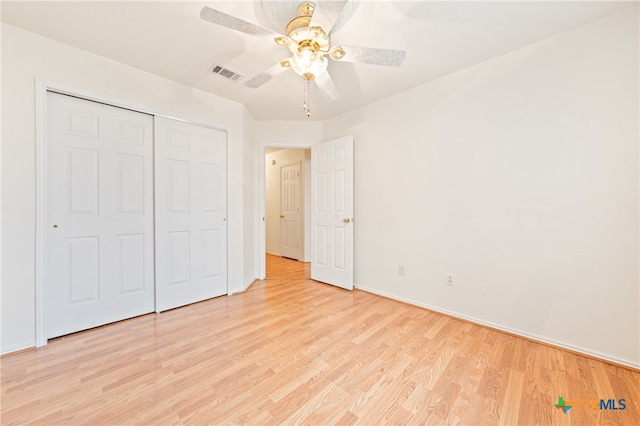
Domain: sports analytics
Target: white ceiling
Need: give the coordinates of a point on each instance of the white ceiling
(169, 39)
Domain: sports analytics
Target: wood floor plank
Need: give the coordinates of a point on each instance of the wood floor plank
(291, 350)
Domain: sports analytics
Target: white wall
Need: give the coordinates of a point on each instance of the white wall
(26, 56)
(285, 157)
(520, 176)
(251, 208)
(288, 134)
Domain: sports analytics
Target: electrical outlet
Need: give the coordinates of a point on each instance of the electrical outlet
(450, 278)
(400, 269)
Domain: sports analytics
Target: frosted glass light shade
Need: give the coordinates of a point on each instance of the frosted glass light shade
(307, 62)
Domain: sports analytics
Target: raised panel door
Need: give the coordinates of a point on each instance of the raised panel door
(191, 227)
(99, 236)
(290, 224)
(332, 212)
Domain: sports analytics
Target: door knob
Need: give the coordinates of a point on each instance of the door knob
(55, 226)
(281, 216)
(346, 220)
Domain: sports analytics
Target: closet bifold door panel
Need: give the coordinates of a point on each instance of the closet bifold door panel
(98, 242)
(190, 216)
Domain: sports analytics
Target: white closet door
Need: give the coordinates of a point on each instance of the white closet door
(99, 197)
(191, 206)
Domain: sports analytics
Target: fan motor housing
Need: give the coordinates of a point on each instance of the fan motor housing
(298, 23)
(303, 36)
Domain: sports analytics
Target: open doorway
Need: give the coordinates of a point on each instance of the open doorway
(287, 208)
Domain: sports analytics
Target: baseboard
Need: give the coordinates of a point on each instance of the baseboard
(17, 348)
(246, 286)
(539, 339)
(249, 283)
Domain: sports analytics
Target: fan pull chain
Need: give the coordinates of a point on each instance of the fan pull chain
(304, 97)
(308, 101)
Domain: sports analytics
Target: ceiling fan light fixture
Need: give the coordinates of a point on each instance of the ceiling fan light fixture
(307, 36)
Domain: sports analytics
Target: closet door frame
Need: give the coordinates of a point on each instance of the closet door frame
(43, 86)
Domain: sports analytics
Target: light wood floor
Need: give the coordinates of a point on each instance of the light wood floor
(293, 351)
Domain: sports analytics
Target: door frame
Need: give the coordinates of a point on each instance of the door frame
(42, 86)
(262, 245)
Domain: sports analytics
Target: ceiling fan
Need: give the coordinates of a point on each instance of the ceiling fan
(308, 37)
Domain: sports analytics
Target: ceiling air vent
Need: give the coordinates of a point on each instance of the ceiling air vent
(225, 72)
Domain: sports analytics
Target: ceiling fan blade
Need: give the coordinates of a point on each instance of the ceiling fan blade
(327, 89)
(221, 18)
(326, 13)
(265, 76)
(374, 56)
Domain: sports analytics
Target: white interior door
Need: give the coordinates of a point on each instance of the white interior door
(99, 196)
(290, 211)
(332, 212)
(191, 206)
